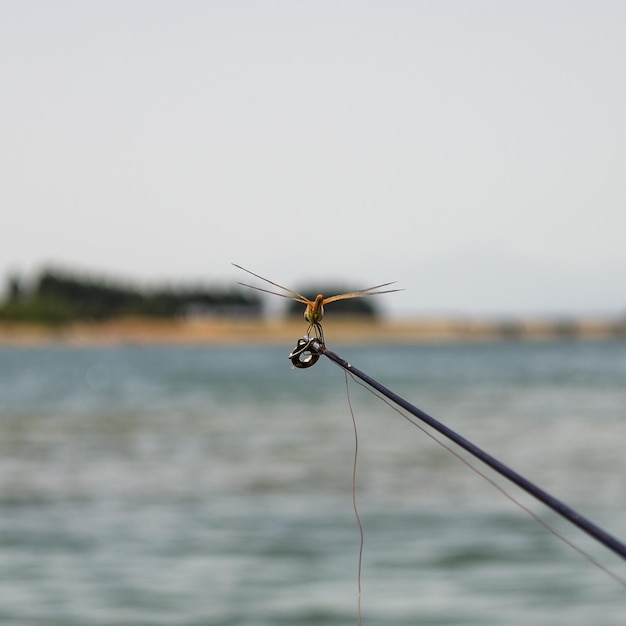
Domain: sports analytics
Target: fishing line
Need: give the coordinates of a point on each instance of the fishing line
(354, 503)
(555, 504)
(492, 482)
(315, 349)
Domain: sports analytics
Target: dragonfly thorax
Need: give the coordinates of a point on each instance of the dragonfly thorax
(315, 310)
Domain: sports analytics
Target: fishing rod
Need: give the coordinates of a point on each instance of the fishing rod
(308, 351)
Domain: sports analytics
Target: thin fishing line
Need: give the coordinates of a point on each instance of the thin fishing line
(354, 503)
(555, 504)
(497, 486)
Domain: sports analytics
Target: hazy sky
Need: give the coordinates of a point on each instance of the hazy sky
(473, 151)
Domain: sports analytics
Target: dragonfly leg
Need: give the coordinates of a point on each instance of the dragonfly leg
(318, 331)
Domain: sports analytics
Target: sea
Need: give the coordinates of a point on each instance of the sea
(204, 485)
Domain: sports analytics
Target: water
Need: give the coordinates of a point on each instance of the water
(212, 486)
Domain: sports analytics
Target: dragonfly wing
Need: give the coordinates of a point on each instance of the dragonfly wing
(362, 293)
(275, 293)
(298, 297)
(378, 287)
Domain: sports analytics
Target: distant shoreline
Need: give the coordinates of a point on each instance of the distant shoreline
(236, 331)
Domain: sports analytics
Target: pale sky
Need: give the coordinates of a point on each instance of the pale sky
(473, 151)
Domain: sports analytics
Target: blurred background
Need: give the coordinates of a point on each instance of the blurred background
(474, 153)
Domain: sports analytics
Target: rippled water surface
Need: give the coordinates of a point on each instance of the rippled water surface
(213, 486)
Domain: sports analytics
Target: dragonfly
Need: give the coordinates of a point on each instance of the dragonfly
(314, 311)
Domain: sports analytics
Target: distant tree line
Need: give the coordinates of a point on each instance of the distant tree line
(62, 297)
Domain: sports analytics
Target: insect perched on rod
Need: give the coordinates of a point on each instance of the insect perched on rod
(315, 308)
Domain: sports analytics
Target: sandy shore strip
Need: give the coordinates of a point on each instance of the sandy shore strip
(223, 331)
